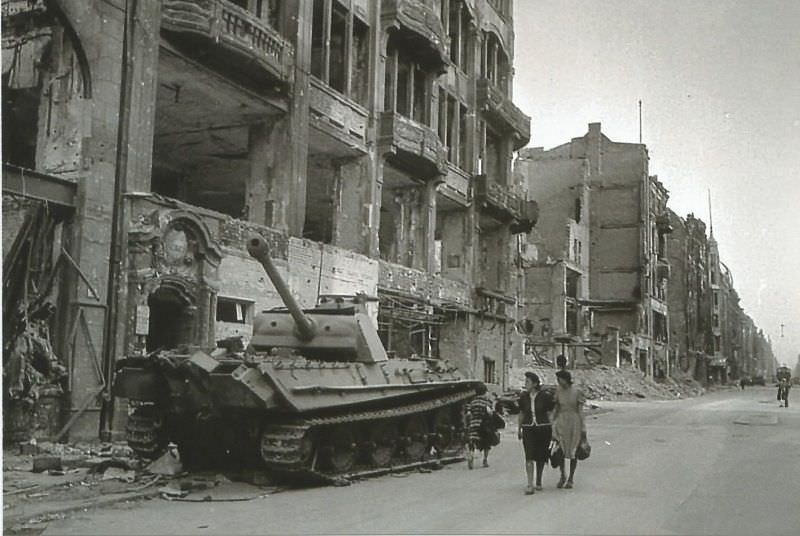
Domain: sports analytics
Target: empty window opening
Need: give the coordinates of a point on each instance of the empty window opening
(463, 139)
(340, 49)
(572, 281)
(494, 62)
(452, 125)
(494, 157)
(320, 198)
(233, 310)
(408, 85)
(359, 89)
(578, 206)
(489, 371)
(572, 317)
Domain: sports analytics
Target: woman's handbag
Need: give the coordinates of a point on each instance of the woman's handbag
(556, 455)
(584, 449)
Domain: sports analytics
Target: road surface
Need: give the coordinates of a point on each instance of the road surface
(724, 463)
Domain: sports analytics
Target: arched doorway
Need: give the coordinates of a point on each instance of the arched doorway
(170, 319)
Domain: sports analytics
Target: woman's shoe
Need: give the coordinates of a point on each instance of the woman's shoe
(568, 485)
(538, 487)
(529, 491)
(486, 463)
(561, 482)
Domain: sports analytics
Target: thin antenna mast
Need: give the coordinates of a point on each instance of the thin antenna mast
(640, 121)
(710, 219)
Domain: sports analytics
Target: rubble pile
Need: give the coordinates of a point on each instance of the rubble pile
(44, 479)
(610, 383)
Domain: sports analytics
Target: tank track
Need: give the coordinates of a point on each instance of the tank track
(144, 434)
(286, 451)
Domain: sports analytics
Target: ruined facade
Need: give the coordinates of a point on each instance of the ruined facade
(606, 225)
(555, 255)
(712, 338)
(369, 142)
(689, 296)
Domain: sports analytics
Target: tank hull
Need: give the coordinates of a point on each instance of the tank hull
(297, 417)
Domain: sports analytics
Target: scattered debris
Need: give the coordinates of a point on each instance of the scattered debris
(118, 473)
(170, 492)
(45, 462)
(168, 464)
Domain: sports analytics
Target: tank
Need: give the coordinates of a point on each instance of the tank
(314, 394)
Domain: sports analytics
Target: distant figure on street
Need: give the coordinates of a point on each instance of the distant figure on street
(742, 383)
(482, 428)
(568, 425)
(561, 362)
(783, 393)
(535, 428)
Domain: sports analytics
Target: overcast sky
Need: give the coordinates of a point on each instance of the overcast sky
(720, 85)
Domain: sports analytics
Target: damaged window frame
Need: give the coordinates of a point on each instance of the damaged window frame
(340, 52)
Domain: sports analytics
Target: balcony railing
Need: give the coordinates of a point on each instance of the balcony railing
(413, 145)
(421, 26)
(338, 116)
(13, 8)
(502, 204)
(238, 32)
(502, 113)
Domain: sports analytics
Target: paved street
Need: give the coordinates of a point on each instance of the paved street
(725, 463)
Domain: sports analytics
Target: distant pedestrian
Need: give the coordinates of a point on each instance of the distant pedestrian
(568, 425)
(742, 383)
(481, 425)
(783, 393)
(535, 428)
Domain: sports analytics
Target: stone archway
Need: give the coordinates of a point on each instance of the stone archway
(172, 318)
(172, 281)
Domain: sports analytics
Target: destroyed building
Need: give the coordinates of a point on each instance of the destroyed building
(370, 143)
(610, 223)
(712, 338)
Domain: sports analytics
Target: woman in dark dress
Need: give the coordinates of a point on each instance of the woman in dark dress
(535, 429)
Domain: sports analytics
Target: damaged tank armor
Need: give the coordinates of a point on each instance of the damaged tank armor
(314, 395)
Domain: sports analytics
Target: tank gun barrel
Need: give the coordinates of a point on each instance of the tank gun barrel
(259, 250)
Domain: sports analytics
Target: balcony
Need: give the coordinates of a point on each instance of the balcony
(437, 291)
(14, 8)
(344, 121)
(231, 37)
(411, 145)
(505, 206)
(418, 23)
(502, 113)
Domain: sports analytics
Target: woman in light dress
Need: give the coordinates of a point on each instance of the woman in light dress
(568, 425)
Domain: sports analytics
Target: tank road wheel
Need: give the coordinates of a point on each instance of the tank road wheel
(383, 442)
(416, 438)
(340, 449)
(145, 432)
(444, 430)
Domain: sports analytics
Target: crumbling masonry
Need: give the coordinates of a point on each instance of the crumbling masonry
(369, 142)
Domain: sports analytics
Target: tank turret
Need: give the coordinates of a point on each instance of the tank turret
(304, 326)
(340, 330)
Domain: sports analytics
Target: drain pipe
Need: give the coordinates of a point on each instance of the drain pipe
(117, 227)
